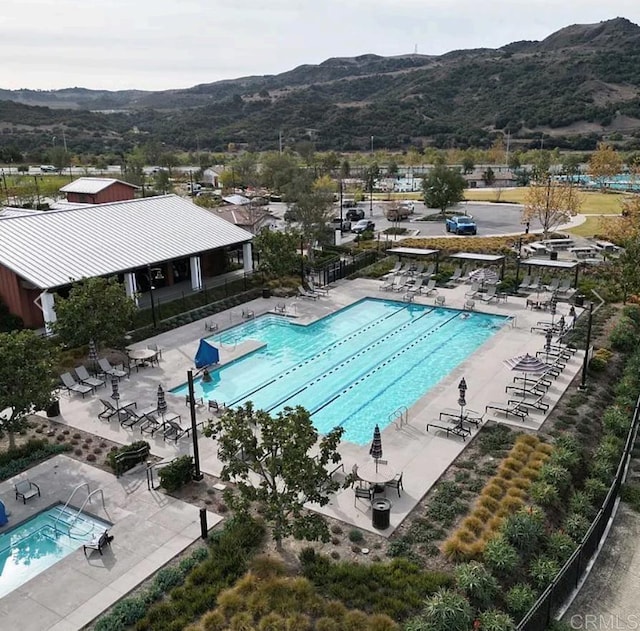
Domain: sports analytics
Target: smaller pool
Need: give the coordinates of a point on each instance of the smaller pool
(36, 544)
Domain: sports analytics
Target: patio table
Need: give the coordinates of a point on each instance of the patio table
(142, 356)
(368, 472)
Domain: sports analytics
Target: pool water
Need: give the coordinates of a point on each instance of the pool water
(38, 543)
(354, 368)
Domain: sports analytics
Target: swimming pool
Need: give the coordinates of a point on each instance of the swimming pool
(353, 368)
(36, 544)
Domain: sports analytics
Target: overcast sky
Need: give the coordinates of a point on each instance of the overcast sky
(159, 44)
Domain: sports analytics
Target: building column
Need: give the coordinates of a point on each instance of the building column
(47, 301)
(247, 257)
(196, 273)
(131, 286)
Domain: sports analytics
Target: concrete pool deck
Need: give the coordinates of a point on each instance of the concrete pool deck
(422, 456)
(149, 529)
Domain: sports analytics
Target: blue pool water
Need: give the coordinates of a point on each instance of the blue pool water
(353, 368)
(38, 543)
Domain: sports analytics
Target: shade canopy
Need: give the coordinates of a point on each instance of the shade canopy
(162, 402)
(484, 275)
(115, 392)
(376, 445)
(527, 364)
(207, 355)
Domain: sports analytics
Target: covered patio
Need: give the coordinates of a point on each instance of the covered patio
(568, 266)
(485, 259)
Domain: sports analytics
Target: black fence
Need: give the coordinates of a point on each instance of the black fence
(343, 267)
(541, 614)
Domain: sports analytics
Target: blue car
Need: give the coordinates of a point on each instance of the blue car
(462, 224)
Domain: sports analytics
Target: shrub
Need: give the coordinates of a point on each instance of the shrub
(356, 536)
(123, 614)
(500, 556)
(543, 570)
(544, 494)
(476, 582)
(127, 463)
(596, 490)
(496, 620)
(494, 440)
(624, 336)
(600, 360)
(525, 530)
(560, 546)
(580, 503)
(519, 599)
(576, 526)
(176, 474)
(14, 461)
(616, 421)
(447, 611)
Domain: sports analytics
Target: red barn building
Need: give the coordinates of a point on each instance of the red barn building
(98, 190)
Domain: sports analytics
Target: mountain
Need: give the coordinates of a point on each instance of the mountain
(570, 88)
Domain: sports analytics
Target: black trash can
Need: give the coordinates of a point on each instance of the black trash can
(553, 256)
(381, 513)
(579, 300)
(266, 292)
(53, 409)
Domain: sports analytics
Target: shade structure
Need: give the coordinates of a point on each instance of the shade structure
(526, 364)
(93, 355)
(484, 275)
(162, 402)
(207, 355)
(376, 445)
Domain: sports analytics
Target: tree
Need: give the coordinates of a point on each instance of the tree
(277, 170)
(604, 163)
(468, 163)
(97, 309)
(307, 151)
(551, 203)
(278, 252)
(276, 468)
(489, 177)
(59, 157)
(443, 187)
(26, 377)
(162, 182)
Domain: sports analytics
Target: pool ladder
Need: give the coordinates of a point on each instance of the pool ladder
(55, 523)
(400, 417)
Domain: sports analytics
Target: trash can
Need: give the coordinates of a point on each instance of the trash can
(266, 292)
(381, 513)
(553, 256)
(53, 409)
(579, 300)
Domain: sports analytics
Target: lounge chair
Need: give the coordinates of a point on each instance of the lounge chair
(524, 285)
(306, 294)
(393, 271)
(535, 284)
(533, 389)
(489, 295)
(322, 291)
(150, 424)
(87, 379)
(508, 409)
(174, 431)
(111, 410)
(389, 284)
(428, 287)
(110, 370)
(473, 290)
(565, 290)
(73, 386)
(97, 543)
(536, 404)
(25, 490)
(430, 271)
(553, 285)
(396, 483)
(456, 276)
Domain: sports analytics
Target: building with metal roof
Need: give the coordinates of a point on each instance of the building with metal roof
(46, 251)
(98, 190)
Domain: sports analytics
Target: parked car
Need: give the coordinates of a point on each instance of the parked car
(363, 225)
(397, 213)
(47, 168)
(462, 224)
(355, 214)
(344, 225)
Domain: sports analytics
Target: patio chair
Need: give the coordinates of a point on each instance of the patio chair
(314, 289)
(111, 410)
(25, 490)
(248, 314)
(281, 307)
(535, 284)
(396, 483)
(473, 290)
(196, 400)
(174, 431)
(524, 285)
(363, 493)
(303, 293)
(440, 300)
(108, 369)
(469, 305)
(210, 325)
(97, 543)
(87, 379)
(157, 349)
(456, 276)
(73, 386)
(489, 295)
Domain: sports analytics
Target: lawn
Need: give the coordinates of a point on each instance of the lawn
(593, 202)
(591, 227)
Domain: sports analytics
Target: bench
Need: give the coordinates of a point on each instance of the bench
(97, 543)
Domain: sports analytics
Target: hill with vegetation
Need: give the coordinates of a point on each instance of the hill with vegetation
(567, 90)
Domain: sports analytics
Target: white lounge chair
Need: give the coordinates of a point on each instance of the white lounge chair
(306, 294)
(73, 386)
(110, 370)
(87, 379)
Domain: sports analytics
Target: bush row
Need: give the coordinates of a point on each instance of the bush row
(14, 461)
(118, 460)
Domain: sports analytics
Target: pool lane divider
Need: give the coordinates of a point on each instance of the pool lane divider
(331, 347)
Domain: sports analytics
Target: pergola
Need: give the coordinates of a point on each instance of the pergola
(492, 259)
(412, 252)
(559, 265)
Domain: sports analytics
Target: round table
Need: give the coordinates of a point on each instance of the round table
(142, 355)
(368, 473)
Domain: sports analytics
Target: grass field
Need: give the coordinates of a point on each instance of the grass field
(591, 227)
(593, 203)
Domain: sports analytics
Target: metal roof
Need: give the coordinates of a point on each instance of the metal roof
(412, 251)
(7, 212)
(550, 263)
(53, 248)
(92, 185)
(475, 256)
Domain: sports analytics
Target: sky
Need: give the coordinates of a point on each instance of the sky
(164, 44)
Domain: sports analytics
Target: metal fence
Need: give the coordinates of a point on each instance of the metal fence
(568, 578)
(343, 267)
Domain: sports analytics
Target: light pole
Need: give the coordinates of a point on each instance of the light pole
(197, 474)
(153, 305)
(518, 259)
(585, 363)
(302, 259)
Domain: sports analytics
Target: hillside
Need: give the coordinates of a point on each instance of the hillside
(575, 85)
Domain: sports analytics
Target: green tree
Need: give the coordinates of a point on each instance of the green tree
(550, 202)
(162, 182)
(277, 170)
(604, 163)
(307, 151)
(59, 157)
(270, 463)
(97, 309)
(443, 187)
(345, 169)
(133, 168)
(468, 163)
(26, 378)
(489, 177)
(278, 252)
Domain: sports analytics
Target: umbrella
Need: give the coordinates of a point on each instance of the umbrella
(548, 339)
(526, 364)
(484, 275)
(462, 401)
(93, 354)
(162, 402)
(115, 393)
(376, 446)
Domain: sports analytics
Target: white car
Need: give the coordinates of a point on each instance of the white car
(48, 168)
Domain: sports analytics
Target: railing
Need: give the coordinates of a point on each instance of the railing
(55, 523)
(400, 417)
(129, 455)
(337, 270)
(73, 521)
(155, 465)
(569, 577)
